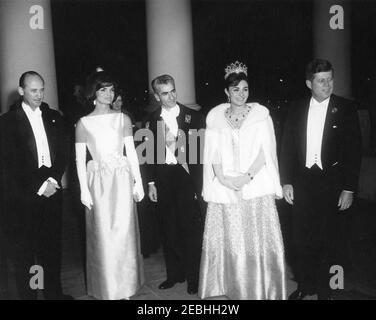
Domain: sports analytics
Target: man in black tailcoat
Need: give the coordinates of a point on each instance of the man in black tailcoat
(34, 151)
(175, 182)
(320, 164)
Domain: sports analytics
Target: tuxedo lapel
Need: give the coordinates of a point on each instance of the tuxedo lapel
(180, 118)
(26, 133)
(161, 133)
(302, 131)
(329, 120)
(183, 119)
(157, 126)
(49, 124)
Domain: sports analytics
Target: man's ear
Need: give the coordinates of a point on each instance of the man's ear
(157, 97)
(309, 84)
(20, 91)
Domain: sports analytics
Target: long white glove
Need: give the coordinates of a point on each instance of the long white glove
(86, 199)
(138, 190)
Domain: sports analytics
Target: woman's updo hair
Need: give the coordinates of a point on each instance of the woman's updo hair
(96, 81)
(234, 78)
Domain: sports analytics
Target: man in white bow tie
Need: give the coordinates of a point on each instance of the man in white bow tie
(175, 184)
(34, 152)
(320, 163)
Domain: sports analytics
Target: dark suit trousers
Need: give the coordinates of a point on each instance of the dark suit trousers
(37, 241)
(3, 267)
(317, 228)
(181, 223)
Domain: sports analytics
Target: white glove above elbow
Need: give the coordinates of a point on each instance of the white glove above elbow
(138, 190)
(86, 199)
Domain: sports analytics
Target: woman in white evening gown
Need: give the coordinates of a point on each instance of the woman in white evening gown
(243, 254)
(110, 183)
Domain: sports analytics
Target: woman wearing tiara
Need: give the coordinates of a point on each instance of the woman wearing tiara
(243, 254)
(109, 185)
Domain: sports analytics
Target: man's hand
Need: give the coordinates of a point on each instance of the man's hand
(153, 193)
(345, 200)
(51, 189)
(288, 193)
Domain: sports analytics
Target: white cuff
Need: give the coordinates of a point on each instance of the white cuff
(81, 173)
(43, 188)
(135, 168)
(52, 180)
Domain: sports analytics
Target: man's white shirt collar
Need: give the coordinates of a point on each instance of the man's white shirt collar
(323, 104)
(29, 111)
(170, 112)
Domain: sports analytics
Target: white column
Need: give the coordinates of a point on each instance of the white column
(334, 44)
(26, 43)
(170, 45)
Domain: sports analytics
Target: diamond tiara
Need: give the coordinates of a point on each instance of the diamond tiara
(236, 67)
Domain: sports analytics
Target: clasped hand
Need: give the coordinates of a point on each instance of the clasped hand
(235, 183)
(51, 189)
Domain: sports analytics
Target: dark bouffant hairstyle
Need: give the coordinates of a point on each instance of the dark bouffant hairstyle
(316, 66)
(234, 78)
(97, 81)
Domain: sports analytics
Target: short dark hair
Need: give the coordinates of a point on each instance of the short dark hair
(163, 79)
(120, 93)
(316, 66)
(21, 81)
(234, 78)
(96, 81)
